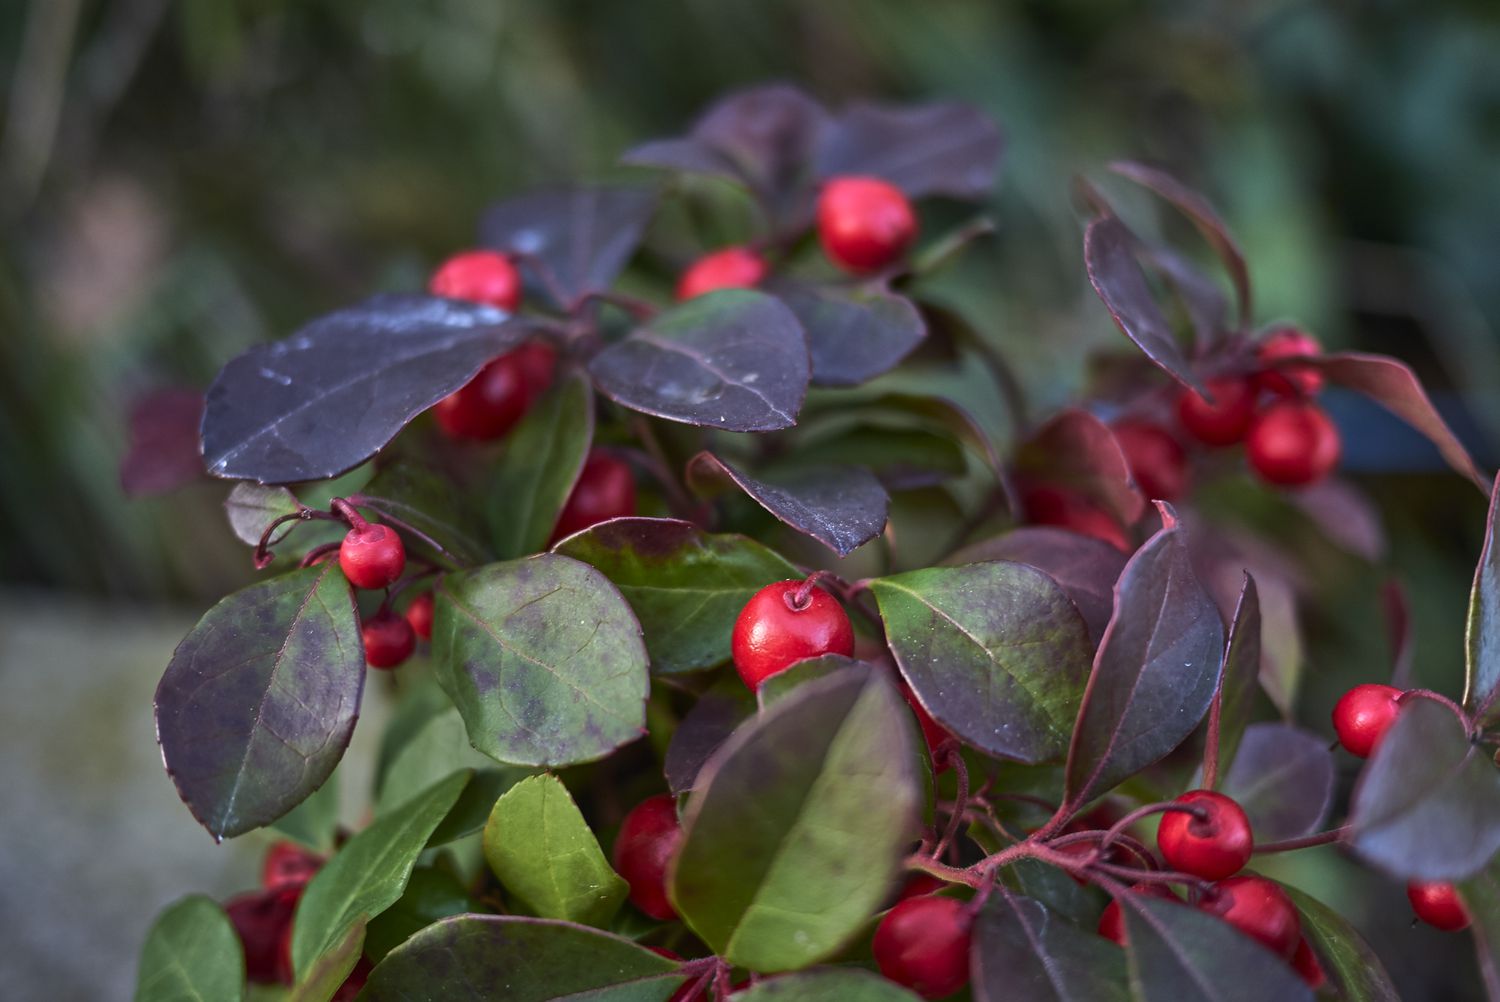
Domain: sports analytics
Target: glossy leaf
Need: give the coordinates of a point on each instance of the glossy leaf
(1427, 806)
(1156, 670)
(1353, 969)
(369, 873)
(541, 464)
(1078, 451)
(192, 954)
(1283, 778)
(685, 585)
(1200, 297)
(1024, 953)
(425, 500)
(946, 148)
(710, 722)
(540, 847)
(543, 658)
(1241, 674)
(333, 394)
(734, 359)
(1482, 632)
(328, 972)
(506, 958)
(253, 507)
(787, 681)
(163, 453)
(854, 333)
(995, 652)
(842, 507)
(260, 699)
(829, 984)
(815, 800)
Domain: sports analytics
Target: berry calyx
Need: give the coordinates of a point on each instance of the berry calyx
(1224, 421)
(488, 405)
(730, 268)
(648, 839)
(1156, 459)
(288, 864)
(1289, 380)
(372, 555)
(1307, 966)
(864, 223)
(784, 623)
(389, 639)
(1112, 920)
(1363, 715)
(419, 615)
(478, 276)
(1293, 443)
(605, 490)
(1045, 504)
(1438, 904)
(923, 943)
(1258, 908)
(1212, 841)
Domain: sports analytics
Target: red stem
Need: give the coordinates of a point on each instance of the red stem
(1305, 842)
(343, 509)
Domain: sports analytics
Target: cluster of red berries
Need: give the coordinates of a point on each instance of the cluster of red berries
(372, 557)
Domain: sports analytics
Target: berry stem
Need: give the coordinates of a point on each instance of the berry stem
(346, 511)
(381, 507)
(950, 754)
(263, 548)
(1145, 812)
(317, 553)
(1305, 842)
(799, 599)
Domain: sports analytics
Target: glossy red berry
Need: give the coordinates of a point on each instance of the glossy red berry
(1363, 715)
(1224, 421)
(419, 615)
(923, 943)
(488, 405)
(920, 885)
(774, 632)
(389, 639)
(1258, 908)
(1307, 966)
(605, 490)
(1289, 380)
(1213, 843)
(288, 864)
(933, 733)
(1439, 905)
(1293, 443)
(479, 276)
(537, 361)
(1112, 921)
(730, 268)
(263, 920)
(1045, 504)
(648, 839)
(864, 223)
(372, 556)
(1157, 461)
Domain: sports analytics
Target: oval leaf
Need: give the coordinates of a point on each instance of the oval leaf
(164, 453)
(733, 359)
(832, 984)
(1024, 953)
(1482, 632)
(1283, 778)
(946, 148)
(543, 658)
(192, 953)
(258, 703)
(1078, 451)
(541, 464)
(854, 333)
(815, 800)
(710, 722)
(253, 507)
(1353, 969)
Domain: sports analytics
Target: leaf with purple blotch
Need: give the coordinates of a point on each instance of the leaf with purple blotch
(944, 148)
(164, 452)
(854, 333)
(1283, 777)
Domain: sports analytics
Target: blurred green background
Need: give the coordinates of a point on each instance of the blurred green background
(181, 180)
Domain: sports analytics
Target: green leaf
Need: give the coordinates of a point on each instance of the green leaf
(1024, 953)
(252, 508)
(426, 500)
(1353, 969)
(541, 464)
(329, 971)
(789, 680)
(996, 652)
(434, 750)
(369, 873)
(1482, 634)
(192, 954)
(829, 984)
(686, 585)
(1180, 954)
(542, 850)
(431, 894)
(504, 958)
(543, 658)
(815, 800)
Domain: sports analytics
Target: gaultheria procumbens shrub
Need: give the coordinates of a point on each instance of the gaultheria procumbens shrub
(727, 658)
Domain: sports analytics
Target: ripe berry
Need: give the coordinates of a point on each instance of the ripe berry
(1438, 905)
(287, 864)
(1223, 422)
(923, 943)
(419, 615)
(1363, 715)
(730, 268)
(1293, 443)
(1306, 964)
(648, 839)
(1112, 921)
(920, 885)
(774, 631)
(605, 490)
(1157, 462)
(1290, 380)
(537, 361)
(389, 639)
(1045, 504)
(1214, 845)
(263, 919)
(479, 276)
(372, 556)
(1259, 909)
(355, 982)
(933, 733)
(864, 223)
(488, 405)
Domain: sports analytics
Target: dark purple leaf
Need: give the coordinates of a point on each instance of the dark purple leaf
(841, 507)
(1078, 451)
(163, 453)
(1354, 971)
(1483, 629)
(854, 333)
(1427, 806)
(1110, 251)
(1345, 516)
(734, 359)
(1156, 670)
(1180, 954)
(1201, 299)
(253, 507)
(1241, 674)
(570, 241)
(258, 703)
(332, 395)
(1024, 953)
(1283, 778)
(705, 727)
(944, 148)
(1397, 609)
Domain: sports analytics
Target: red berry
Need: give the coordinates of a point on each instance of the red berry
(479, 276)
(488, 405)
(1439, 905)
(1258, 908)
(773, 633)
(920, 885)
(1112, 921)
(537, 361)
(372, 556)
(355, 982)
(1293, 443)
(1363, 715)
(865, 223)
(1289, 380)
(923, 943)
(1157, 462)
(933, 733)
(1227, 419)
(263, 921)
(1045, 504)
(1306, 964)
(419, 615)
(389, 639)
(1214, 846)
(730, 268)
(288, 864)
(648, 839)
(605, 490)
